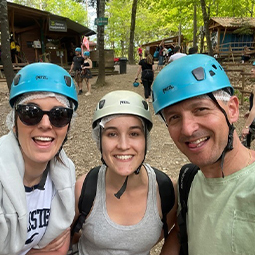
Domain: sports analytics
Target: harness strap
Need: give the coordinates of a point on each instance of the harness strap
(186, 176)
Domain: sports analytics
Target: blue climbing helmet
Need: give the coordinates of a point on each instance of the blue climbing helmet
(78, 49)
(86, 53)
(187, 77)
(135, 83)
(253, 63)
(43, 77)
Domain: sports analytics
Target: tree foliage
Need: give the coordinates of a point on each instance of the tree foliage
(155, 19)
(71, 9)
(159, 19)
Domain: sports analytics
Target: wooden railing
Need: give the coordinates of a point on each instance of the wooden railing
(239, 81)
(233, 50)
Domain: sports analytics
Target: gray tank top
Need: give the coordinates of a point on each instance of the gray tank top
(102, 236)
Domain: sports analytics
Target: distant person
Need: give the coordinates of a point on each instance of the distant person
(176, 54)
(245, 55)
(13, 49)
(146, 67)
(86, 72)
(77, 63)
(161, 55)
(140, 52)
(193, 50)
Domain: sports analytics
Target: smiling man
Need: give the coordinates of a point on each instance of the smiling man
(195, 98)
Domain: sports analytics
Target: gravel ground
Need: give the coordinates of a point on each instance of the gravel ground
(80, 147)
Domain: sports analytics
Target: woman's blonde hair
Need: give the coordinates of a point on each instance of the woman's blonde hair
(149, 58)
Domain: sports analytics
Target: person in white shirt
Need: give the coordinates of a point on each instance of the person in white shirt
(177, 54)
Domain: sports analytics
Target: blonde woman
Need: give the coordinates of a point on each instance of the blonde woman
(146, 67)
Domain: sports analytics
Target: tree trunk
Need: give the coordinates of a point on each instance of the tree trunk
(5, 44)
(132, 34)
(195, 26)
(202, 36)
(206, 25)
(100, 42)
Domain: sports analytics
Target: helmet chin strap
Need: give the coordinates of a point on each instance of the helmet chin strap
(137, 171)
(231, 127)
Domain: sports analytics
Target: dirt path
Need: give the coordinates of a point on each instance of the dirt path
(80, 147)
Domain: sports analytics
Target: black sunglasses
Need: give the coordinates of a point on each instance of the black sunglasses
(31, 115)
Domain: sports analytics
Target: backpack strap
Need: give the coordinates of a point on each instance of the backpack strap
(166, 192)
(88, 193)
(86, 199)
(186, 176)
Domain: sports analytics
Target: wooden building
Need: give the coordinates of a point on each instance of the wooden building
(230, 35)
(43, 36)
(170, 42)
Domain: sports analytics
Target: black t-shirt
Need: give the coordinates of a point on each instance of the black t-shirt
(145, 65)
(77, 63)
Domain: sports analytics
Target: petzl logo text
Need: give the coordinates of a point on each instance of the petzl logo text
(124, 102)
(41, 77)
(167, 88)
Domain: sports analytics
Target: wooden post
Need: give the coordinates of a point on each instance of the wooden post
(242, 73)
(36, 55)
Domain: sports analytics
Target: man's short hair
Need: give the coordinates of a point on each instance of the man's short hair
(176, 48)
(193, 50)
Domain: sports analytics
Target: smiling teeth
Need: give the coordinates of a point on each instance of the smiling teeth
(124, 157)
(199, 140)
(43, 139)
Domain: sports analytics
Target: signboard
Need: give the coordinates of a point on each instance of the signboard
(37, 44)
(101, 21)
(57, 26)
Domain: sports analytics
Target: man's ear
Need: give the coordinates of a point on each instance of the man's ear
(233, 109)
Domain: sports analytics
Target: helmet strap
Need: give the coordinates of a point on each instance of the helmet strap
(231, 127)
(100, 145)
(122, 189)
(137, 171)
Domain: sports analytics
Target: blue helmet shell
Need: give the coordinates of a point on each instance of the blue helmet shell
(86, 53)
(188, 77)
(43, 77)
(78, 49)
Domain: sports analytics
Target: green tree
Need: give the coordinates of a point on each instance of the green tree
(132, 33)
(71, 9)
(100, 43)
(206, 25)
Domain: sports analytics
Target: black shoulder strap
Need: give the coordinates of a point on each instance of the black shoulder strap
(86, 199)
(88, 193)
(166, 192)
(186, 177)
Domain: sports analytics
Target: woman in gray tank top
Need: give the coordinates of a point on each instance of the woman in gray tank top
(126, 216)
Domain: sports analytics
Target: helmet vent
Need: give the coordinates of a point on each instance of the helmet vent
(68, 81)
(145, 104)
(212, 73)
(16, 79)
(199, 73)
(101, 104)
(214, 66)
